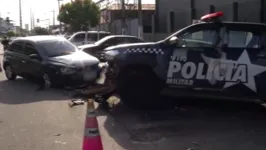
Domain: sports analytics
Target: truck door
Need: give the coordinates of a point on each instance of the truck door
(246, 61)
(189, 64)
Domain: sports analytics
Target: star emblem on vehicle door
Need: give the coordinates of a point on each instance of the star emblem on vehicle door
(252, 69)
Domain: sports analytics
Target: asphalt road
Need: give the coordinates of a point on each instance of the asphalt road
(31, 120)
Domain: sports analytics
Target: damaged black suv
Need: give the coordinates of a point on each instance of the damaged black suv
(211, 58)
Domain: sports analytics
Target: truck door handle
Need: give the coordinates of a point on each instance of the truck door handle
(23, 61)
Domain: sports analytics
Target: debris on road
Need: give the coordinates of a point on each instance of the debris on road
(76, 102)
(59, 142)
(57, 134)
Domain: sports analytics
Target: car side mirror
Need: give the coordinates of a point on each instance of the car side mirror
(34, 56)
(173, 40)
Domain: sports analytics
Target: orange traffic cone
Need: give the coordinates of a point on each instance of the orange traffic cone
(91, 139)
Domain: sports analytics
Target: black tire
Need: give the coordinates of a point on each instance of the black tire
(139, 88)
(10, 74)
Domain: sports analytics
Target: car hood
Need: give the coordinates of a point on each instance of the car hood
(135, 45)
(77, 59)
(87, 46)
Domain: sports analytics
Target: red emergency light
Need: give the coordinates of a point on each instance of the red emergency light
(211, 17)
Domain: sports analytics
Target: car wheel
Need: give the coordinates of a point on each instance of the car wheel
(10, 75)
(139, 88)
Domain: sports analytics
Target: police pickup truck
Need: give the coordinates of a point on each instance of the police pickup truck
(210, 59)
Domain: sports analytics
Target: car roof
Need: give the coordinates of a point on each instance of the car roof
(41, 38)
(92, 32)
(111, 36)
(245, 23)
(238, 23)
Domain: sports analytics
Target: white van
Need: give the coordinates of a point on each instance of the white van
(81, 38)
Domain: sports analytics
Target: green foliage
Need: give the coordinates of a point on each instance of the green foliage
(10, 34)
(40, 31)
(79, 13)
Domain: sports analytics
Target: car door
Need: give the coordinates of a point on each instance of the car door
(15, 56)
(78, 39)
(246, 60)
(34, 65)
(187, 57)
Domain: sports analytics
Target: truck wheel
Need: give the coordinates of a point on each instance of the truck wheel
(139, 88)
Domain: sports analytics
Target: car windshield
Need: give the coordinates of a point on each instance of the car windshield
(53, 48)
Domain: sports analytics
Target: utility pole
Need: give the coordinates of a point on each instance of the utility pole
(33, 20)
(53, 17)
(140, 20)
(31, 23)
(123, 17)
(20, 17)
(60, 24)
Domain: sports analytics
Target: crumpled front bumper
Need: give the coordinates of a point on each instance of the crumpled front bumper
(103, 84)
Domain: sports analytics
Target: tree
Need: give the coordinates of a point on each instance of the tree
(79, 13)
(10, 34)
(40, 31)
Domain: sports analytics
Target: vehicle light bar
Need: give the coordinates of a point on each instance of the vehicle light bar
(212, 17)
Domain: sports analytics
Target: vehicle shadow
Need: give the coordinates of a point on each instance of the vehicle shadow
(197, 124)
(22, 91)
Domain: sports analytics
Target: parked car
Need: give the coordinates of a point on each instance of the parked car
(82, 38)
(209, 59)
(50, 58)
(98, 47)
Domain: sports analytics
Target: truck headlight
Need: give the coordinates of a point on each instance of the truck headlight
(109, 55)
(67, 70)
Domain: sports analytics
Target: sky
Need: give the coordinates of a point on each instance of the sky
(43, 10)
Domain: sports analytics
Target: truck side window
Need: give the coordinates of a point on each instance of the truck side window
(243, 39)
(200, 38)
(79, 37)
(92, 36)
